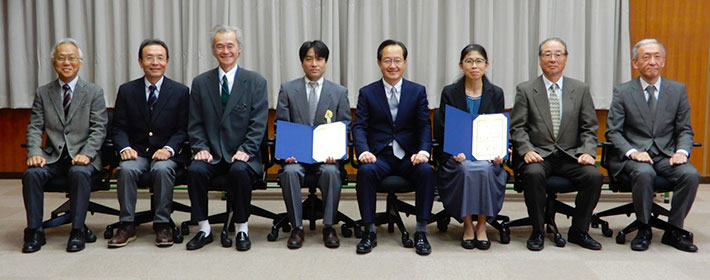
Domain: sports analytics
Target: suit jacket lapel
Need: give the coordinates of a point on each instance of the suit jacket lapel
(213, 91)
(302, 102)
(459, 98)
(639, 98)
(326, 96)
(568, 97)
(55, 96)
(76, 99)
(141, 102)
(543, 104)
(664, 98)
(381, 98)
(162, 98)
(404, 99)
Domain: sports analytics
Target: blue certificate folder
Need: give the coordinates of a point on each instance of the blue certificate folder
(458, 132)
(296, 140)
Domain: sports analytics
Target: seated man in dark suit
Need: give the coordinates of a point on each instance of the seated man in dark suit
(149, 125)
(649, 124)
(72, 112)
(553, 128)
(226, 125)
(392, 134)
(306, 100)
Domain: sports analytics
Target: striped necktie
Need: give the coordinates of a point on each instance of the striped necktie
(67, 98)
(225, 92)
(554, 108)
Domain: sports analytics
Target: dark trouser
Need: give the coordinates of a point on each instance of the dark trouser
(162, 172)
(199, 174)
(685, 180)
(369, 175)
(587, 178)
(78, 186)
(291, 180)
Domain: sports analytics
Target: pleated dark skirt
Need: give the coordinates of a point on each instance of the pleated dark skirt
(471, 188)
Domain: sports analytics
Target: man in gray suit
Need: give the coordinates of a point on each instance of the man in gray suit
(554, 130)
(72, 112)
(226, 126)
(312, 100)
(649, 124)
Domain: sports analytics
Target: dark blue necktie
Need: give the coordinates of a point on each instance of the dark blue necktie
(151, 97)
(67, 98)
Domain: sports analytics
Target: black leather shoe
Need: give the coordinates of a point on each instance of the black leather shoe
(642, 239)
(242, 240)
(200, 240)
(295, 241)
(582, 239)
(482, 244)
(77, 238)
(468, 243)
(34, 239)
(674, 238)
(330, 238)
(536, 241)
(368, 241)
(421, 244)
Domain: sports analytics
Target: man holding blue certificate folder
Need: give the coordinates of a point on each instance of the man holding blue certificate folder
(312, 100)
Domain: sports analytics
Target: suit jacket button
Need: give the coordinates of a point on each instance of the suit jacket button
(146, 149)
(150, 133)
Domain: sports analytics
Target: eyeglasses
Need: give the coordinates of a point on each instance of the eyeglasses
(396, 61)
(549, 55)
(478, 62)
(151, 58)
(71, 59)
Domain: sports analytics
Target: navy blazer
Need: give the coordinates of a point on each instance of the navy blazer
(374, 128)
(492, 102)
(136, 127)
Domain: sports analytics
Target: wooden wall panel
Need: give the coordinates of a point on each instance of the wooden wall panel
(13, 125)
(684, 29)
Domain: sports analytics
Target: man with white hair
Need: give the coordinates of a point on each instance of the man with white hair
(72, 113)
(649, 124)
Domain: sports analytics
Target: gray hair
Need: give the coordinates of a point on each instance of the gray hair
(67, 41)
(221, 28)
(635, 50)
(539, 48)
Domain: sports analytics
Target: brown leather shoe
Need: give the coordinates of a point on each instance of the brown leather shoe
(330, 238)
(163, 236)
(296, 239)
(124, 234)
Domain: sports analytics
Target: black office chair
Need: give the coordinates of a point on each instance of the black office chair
(555, 185)
(622, 184)
(142, 217)
(443, 219)
(100, 181)
(221, 183)
(313, 210)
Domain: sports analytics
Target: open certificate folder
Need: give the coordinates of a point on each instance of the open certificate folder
(311, 144)
(483, 138)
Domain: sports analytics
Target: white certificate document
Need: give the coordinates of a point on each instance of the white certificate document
(329, 140)
(490, 137)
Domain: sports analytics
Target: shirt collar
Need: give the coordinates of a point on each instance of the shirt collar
(320, 81)
(157, 85)
(548, 83)
(644, 84)
(72, 83)
(388, 87)
(230, 74)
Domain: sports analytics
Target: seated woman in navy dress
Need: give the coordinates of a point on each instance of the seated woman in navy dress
(467, 188)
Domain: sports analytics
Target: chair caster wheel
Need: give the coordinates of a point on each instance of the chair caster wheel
(443, 224)
(620, 238)
(607, 232)
(406, 241)
(287, 228)
(347, 232)
(108, 234)
(505, 235)
(177, 238)
(90, 236)
(273, 235)
(184, 228)
(225, 240)
(559, 241)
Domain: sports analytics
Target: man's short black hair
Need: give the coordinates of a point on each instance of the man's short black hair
(319, 48)
(390, 42)
(148, 42)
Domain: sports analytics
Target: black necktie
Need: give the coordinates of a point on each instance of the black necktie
(151, 97)
(67, 98)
